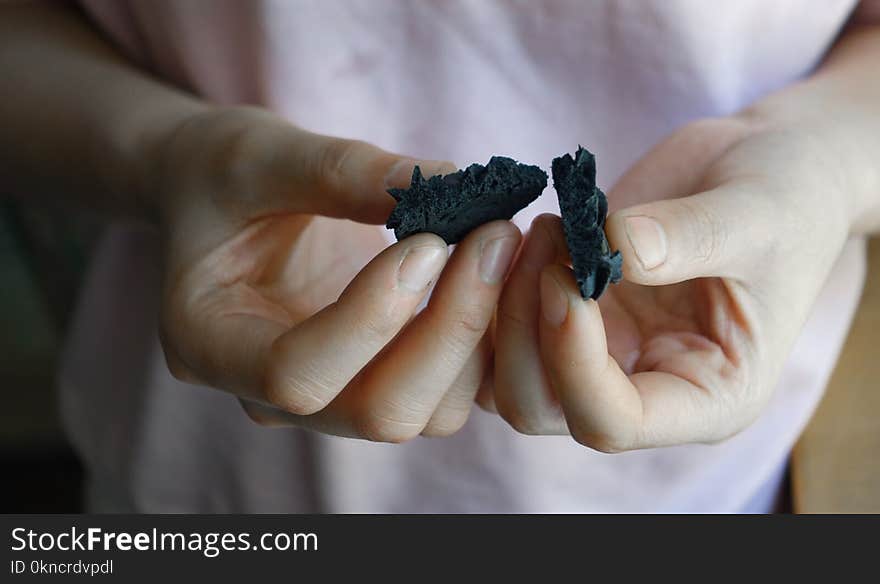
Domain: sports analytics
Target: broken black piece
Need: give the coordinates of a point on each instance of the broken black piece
(584, 207)
(454, 204)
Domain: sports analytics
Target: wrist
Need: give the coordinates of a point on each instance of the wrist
(838, 108)
(823, 147)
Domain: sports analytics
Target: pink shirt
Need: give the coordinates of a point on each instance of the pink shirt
(459, 80)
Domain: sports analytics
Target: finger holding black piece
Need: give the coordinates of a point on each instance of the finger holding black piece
(311, 363)
(399, 392)
(693, 395)
(584, 207)
(522, 393)
(454, 409)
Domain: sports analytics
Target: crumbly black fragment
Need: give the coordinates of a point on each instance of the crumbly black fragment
(454, 204)
(584, 207)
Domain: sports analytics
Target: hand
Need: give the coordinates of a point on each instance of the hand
(267, 228)
(728, 230)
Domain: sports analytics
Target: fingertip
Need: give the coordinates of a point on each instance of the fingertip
(572, 326)
(420, 239)
(499, 245)
(488, 252)
(539, 248)
(421, 260)
(424, 242)
(641, 241)
(554, 232)
(563, 276)
(594, 394)
(485, 397)
(418, 262)
(486, 402)
(555, 302)
(407, 268)
(552, 226)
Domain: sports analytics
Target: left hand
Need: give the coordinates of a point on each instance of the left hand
(728, 230)
(266, 229)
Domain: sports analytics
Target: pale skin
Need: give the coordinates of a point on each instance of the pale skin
(728, 229)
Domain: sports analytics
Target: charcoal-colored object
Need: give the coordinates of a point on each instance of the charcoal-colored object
(584, 208)
(454, 204)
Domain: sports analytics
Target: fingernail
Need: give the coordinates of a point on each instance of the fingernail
(420, 266)
(554, 300)
(495, 258)
(648, 240)
(400, 174)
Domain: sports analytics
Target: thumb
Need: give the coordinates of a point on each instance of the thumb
(349, 178)
(716, 233)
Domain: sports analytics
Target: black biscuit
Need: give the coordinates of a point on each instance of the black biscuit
(584, 207)
(454, 204)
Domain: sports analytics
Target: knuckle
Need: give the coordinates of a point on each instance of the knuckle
(433, 430)
(329, 165)
(486, 402)
(373, 316)
(383, 419)
(721, 437)
(741, 412)
(466, 325)
(600, 441)
(472, 320)
(303, 393)
(179, 371)
(259, 416)
(176, 367)
(224, 144)
(446, 427)
(240, 159)
(373, 324)
(446, 421)
(518, 420)
(509, 315)
(377, 427)
(708, 232)
(723, 432)
(738, 400)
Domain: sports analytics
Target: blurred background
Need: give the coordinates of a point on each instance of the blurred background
(43, 254)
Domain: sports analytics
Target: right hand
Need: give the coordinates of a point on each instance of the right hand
(266, 228)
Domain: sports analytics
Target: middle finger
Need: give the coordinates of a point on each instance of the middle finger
(399, 392)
